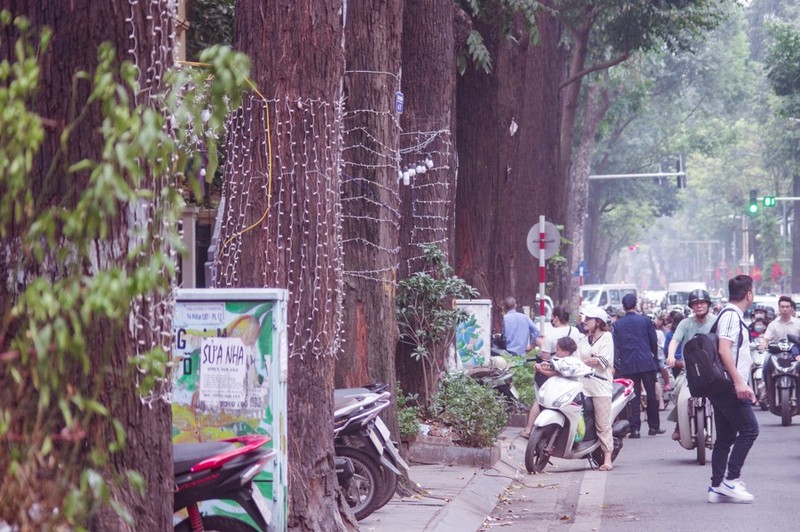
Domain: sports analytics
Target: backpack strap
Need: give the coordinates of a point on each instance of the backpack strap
(741, 336)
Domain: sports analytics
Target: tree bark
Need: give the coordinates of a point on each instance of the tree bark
(429, 80)
(595, 107)
(142, 33)
(508, 161)
(282, 222)
(370, 202)
(796, 236)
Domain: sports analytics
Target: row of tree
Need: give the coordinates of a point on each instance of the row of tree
(522, 131)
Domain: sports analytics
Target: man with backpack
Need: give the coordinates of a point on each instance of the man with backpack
(737, 427)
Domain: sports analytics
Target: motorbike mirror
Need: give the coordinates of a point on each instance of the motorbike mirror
(793, 338)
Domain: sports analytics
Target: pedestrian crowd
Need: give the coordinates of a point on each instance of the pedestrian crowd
(647, 349)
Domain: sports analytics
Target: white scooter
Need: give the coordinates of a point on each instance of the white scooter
(695, 421)
(565, 427)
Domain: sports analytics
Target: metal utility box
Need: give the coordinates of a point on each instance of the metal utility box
(230, 365)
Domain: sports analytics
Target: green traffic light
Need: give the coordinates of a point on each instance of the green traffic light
(752, 208)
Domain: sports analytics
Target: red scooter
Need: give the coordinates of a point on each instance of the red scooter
(221, 470)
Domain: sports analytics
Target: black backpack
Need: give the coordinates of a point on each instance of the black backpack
(705, 373)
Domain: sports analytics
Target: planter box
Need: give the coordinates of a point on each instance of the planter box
(435, 450)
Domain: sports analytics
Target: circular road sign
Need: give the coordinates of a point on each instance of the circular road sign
(552, 240)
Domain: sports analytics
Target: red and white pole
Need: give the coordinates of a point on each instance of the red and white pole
(541, 273)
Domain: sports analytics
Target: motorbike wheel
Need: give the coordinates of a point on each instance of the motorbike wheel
(364, 488)
(220, 523)
(786, 407)
(389, 481)
(700, 435)
(537, 455)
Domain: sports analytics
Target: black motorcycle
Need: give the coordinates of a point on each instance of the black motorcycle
(781, 378)
(368, 463)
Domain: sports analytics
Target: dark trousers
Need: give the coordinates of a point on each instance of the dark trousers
(737, 427)
(648, 380)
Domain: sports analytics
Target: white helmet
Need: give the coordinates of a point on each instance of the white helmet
(595, 312)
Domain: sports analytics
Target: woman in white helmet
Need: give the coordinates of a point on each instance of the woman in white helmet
(597, 350)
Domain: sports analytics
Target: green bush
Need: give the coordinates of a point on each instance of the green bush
(407, 414)
(523, 382)
(476, 413)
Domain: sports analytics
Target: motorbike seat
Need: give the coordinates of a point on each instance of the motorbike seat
(617, 390)
(185, 455)
(341, 402)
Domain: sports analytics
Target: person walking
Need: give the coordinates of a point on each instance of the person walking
(737, 427)
(597, 350)
(636, 358)
(698, 323)
(519, 329)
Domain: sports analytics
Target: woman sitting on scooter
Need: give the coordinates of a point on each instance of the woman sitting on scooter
(597, 351)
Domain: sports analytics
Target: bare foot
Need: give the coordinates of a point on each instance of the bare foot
(525, 435)
(606, 467)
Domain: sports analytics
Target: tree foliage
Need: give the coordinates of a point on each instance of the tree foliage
(427, 315)
(57, 433)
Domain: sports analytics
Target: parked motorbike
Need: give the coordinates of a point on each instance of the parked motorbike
(781, 375)
(499, 375)
(221, 470)
(757, 375)
(363, 440)
(565, 410)
(695, 421)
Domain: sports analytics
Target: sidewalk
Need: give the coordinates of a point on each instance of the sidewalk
(458, 498)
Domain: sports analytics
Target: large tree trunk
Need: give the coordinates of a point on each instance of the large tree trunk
(594, 109)
(429, 80)
(141, 33)
(508, 162)
(283, 220)
(796, 236)
(370, 203)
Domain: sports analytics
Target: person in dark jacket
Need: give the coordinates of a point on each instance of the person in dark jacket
(636, 358)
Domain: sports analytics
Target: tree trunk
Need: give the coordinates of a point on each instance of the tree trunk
(595, 108)
(370, 203)
(141, 33)
(426, 208)
(796, 236)
(283, 216)
(508, 162)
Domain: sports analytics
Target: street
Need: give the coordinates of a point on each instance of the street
(656, 485)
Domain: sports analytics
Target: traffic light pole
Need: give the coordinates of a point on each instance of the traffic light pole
(627, 176)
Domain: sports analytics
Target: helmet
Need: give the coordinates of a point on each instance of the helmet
(698, 295)
(595, 312)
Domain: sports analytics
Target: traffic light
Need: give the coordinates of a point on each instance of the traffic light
(769, 201)
(752, 208)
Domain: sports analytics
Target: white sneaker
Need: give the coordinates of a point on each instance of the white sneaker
(736, 491)
(714, 495)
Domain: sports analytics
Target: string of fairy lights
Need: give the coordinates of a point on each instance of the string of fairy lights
(304, 199)
(151, 40)
(295, 205)
(427, 154)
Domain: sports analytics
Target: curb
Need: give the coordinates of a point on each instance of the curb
(469, 509)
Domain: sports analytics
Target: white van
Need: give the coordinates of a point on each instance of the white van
(603, 295)
(678, 294)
